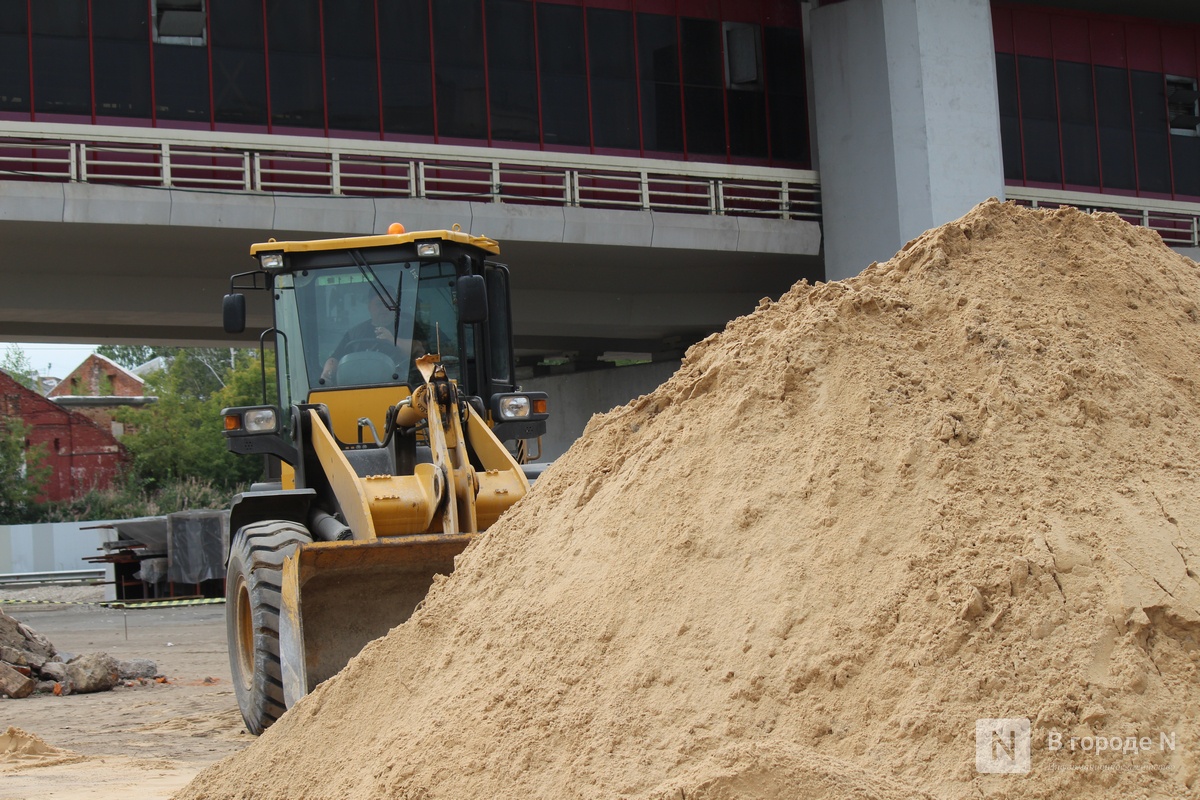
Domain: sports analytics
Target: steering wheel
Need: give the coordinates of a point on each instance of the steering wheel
(376, 345)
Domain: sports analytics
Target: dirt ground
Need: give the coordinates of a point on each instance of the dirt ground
(145, 741)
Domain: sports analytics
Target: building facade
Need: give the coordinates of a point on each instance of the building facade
(1098, 103)
(698, 79)
(81, 455)
(97, 389)
(98, 376)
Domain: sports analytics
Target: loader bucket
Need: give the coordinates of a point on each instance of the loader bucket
(337, 596)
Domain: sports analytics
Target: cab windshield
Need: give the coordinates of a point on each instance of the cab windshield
(365, 325)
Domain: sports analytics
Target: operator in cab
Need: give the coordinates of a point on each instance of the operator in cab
(377, 332)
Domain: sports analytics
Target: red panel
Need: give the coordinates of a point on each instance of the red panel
(1031, 34)
(615, 5)
(703, 9)
(1070, 34)
(656, 6)
(1144, 48)
(733, 11)
(782, 14)
(1179, 51)
(1108, 43)
(1002, 29)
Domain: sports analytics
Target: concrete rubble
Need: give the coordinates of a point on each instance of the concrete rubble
(29, 663)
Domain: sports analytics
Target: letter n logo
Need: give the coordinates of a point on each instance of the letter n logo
(1002, 745)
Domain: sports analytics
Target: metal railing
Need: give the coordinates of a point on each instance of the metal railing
(297, 165)
(13, 580)
(1177, 223)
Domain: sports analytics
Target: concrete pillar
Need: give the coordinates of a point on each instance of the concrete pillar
(907, 121)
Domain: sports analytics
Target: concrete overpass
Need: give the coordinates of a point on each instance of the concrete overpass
(91, 255)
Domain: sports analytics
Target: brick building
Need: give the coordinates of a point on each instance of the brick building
(98, 376)
(97, 388)
(81, 454)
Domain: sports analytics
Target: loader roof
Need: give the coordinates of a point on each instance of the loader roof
(376, 240)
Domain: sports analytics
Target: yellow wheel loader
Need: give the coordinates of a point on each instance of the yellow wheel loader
(400, 434)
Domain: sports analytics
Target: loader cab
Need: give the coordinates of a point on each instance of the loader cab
(352, 315)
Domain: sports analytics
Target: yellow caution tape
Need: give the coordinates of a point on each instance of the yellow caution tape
(46, 602)
(201, 601)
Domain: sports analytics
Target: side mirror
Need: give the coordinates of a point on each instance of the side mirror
(472, 299)
(233, 309)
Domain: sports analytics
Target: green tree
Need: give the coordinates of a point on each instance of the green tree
(130, 356)
(179, 437)
(18, 367)
(23, 476)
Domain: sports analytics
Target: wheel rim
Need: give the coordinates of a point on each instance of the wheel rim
(245, 633)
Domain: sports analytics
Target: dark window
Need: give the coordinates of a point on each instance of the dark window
(613, 73)
(658, 67)
(407, 78)
(1183, 105)
(1185, 158)
(458, 69)
(1077, 110)
(181, 82)
(744, 83)
(498, 331)
(703, 85)
(121, 55)
(294, 42)
(786, 94)
(1150, 126)
(747, 124)
(743, 56)
(512, 71)
(1010, 117)
(179, 22)
(14, 57)
(60, 57)
(563, 74)
(351, 74)
(1039, 116)
(238, 68)
(1115, 119)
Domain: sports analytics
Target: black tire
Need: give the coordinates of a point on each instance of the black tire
(252, 592)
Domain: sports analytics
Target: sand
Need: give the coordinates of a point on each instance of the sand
(144, 741)
(959, 486)
(20, 748)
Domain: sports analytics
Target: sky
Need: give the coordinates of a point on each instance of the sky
(51, 359)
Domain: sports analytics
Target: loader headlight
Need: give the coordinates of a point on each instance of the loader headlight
(258, 419)
(428, 249)
(514, 407)
(271, 260)
(528, 405)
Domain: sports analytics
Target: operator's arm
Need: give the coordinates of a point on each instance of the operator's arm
(330, 368)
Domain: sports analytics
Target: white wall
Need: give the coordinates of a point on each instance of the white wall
(48, 547)
(575, 397)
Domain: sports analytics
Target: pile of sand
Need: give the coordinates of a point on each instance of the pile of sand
(19, 750)
(961, 485)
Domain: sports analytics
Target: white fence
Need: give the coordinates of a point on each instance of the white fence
(293, 164)
(1177, 223)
